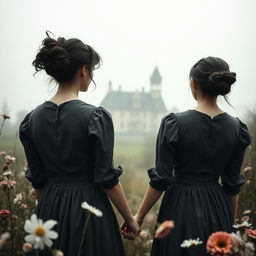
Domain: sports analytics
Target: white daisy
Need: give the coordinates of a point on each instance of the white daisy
(240, 246)
(92, 209)
(247, 211)
(18, 198)
(191, 242)
(245, 224)
(40, 233)
(7, 173)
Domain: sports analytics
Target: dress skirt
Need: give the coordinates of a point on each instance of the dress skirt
(198, 210)
(61, 201)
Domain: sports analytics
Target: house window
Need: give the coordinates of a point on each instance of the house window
(136, 100)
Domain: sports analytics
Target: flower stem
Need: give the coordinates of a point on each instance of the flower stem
(83, 236)
(11, 223)
(2, 126)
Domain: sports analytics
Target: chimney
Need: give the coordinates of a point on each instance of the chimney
(110, 86)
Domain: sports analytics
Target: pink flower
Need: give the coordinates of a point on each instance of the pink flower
(251, 233)
(245, 218)
(15, 217)
(27, 247)
(9, 159)
(7, 184)
(4, 213)
(23, 206)
(164, 229)
(246, 169)
(220, 244)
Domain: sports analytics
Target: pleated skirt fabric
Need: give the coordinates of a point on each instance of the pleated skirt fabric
(198, 210)
(62, 202)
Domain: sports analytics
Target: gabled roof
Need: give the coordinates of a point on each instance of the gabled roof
(156, 77)
(119, 100)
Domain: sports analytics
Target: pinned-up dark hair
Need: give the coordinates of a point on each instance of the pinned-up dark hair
(213, 76)
(62, 58)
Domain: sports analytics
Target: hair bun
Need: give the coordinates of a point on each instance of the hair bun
(61, 40)
(61, 58)
(52, 57)
(229, 77)
(220, 82)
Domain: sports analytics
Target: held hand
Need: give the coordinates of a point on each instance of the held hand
(130, 229)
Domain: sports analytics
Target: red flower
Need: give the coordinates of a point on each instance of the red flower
(251, 233)
(4, 213)
(164, 229)
(220, 244)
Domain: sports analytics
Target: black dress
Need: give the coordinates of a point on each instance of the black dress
(69, 149)
(193, 152)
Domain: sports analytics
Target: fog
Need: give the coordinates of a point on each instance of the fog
(132, 38)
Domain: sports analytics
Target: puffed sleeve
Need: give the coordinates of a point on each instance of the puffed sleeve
(232, 179)
(101, 134)
(36, 171)
(167, 138)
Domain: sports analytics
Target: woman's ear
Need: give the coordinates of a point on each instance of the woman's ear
(194, 85)
(83, 71)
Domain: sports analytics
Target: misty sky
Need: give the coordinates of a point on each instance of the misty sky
(132, 37)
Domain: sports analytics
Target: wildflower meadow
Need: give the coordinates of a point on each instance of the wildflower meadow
(21, 231)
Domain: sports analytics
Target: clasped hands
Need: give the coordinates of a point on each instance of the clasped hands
(131, 229)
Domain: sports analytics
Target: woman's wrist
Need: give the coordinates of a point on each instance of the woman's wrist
(139, 218)
(128, 219)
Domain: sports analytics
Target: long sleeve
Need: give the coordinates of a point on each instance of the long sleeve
(167, 138)
(232, 179)
(36, 171)
(101, 134)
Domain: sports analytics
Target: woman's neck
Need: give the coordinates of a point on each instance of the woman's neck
(208, 104)
(66, 92)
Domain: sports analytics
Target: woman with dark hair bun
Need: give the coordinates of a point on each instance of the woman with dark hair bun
(194, 149)
(69, 148)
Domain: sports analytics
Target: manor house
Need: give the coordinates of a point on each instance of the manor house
(137, 112)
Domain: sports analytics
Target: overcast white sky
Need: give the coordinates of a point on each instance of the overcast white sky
(132, 37)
